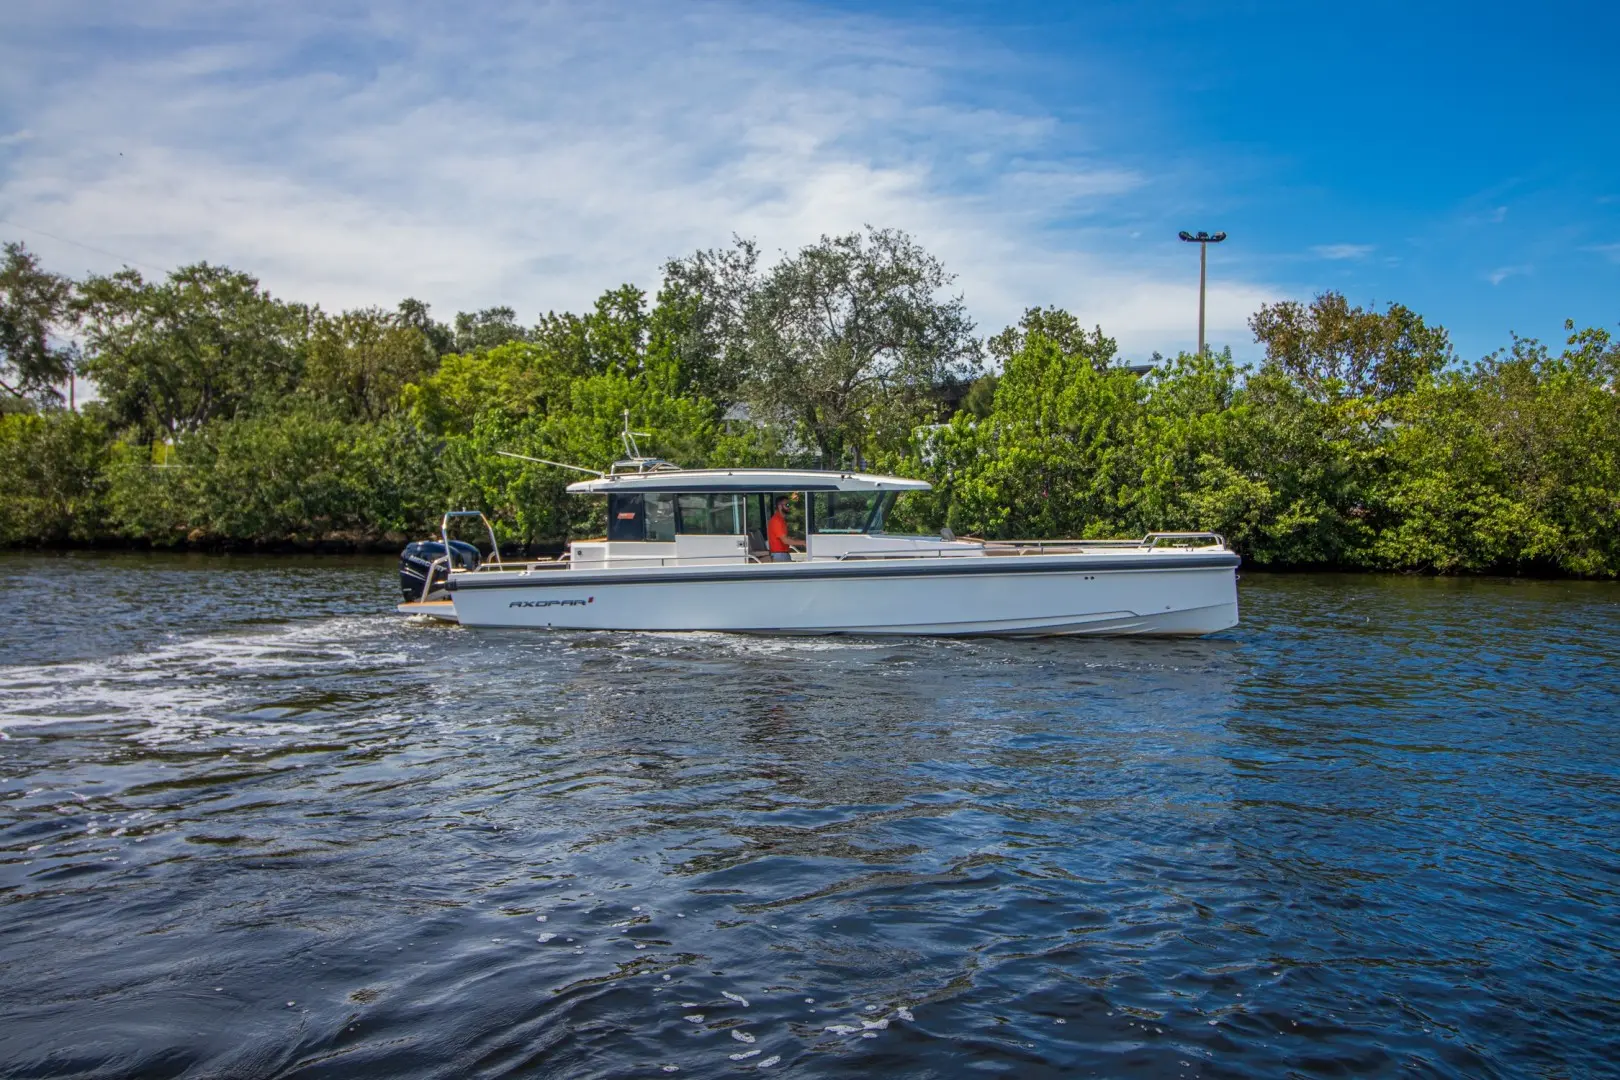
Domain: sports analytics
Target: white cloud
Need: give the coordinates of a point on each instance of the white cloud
(1608, 251)
(544, 155)
(1342, 251)
(1502, 273)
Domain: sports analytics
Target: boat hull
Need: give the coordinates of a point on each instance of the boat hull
(1166, 593)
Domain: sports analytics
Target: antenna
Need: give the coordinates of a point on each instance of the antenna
(543, 461)
(629, 437)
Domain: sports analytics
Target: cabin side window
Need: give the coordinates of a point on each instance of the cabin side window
(641, 517)
(660, 518)
(709, 515)
(657, 517)
(760, 505)
(626, 518)
(850, 511)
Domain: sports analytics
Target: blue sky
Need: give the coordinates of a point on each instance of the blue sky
(1456, 158)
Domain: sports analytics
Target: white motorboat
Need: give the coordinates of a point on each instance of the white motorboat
(684, 549)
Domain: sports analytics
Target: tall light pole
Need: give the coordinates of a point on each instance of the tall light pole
(1203, 240)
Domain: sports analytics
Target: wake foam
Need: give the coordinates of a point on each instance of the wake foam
(197, 688)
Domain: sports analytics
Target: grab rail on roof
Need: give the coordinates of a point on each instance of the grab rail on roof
(1149, 542)
(1152, 539)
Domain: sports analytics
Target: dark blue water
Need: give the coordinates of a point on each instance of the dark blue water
(253, 824)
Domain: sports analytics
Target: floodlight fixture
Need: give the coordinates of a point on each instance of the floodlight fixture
(1203, 240)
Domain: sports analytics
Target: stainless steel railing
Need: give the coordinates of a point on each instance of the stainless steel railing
(1149, 542)
(447, 560)
(1001, 548)
(444, 532)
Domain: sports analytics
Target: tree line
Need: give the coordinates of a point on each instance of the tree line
(226, 417)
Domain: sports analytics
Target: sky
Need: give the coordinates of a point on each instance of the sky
(1457, 158)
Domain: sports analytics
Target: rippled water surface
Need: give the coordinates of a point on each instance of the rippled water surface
(254, 824)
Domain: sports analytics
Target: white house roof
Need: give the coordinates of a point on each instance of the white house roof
(707, 480)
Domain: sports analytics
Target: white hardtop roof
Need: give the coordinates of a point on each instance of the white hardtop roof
(710, 480)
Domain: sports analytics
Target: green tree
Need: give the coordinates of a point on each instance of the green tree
(1060, 425)
(1512, 464)
(1332, 349)
(1054, 453)
(35, 306)
(850, 337)
(616, 332)
(486, 329)
(513, 380)
(1060, 328)
(295, 476)
(1319, 460)
(152, 497)
(415, 313)
(981, 396)
(1183, 475)
(520, 379)
(702, 318)
(614, 336)
(205, 344)
(361, 361)
(52, 478)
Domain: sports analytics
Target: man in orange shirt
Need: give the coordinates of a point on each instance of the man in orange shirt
(776, 532)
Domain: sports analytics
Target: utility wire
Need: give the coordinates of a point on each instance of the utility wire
(87, 247)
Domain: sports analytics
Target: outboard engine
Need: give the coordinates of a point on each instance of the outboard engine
(427, 557)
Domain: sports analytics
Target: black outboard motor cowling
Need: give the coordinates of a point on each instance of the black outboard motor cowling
(417, 561)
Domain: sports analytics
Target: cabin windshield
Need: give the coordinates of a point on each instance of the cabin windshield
(850, 511)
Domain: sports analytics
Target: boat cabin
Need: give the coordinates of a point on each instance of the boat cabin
(667, 516)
